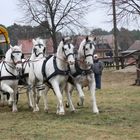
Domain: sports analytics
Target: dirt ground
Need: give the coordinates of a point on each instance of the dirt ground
(117, 78)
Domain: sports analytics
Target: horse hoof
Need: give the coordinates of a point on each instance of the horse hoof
(78, 104)
(30, 107)
(61, 113)
(14, 111)
(96, 111)
(73, 111)
(46, 110)
(67, 105)
(35, 110)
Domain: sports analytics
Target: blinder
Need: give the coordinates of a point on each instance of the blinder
(40, 45)
(12, 56)
(84, 48)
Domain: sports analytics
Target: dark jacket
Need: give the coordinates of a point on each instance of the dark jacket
(98, 67)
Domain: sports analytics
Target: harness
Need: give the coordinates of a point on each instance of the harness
(80, 71)
(56, 72)
(12, 77)
(23, 76)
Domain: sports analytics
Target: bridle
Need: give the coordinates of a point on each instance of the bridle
(67, 55)
(12, 57)
(84, 48)
(35, 50)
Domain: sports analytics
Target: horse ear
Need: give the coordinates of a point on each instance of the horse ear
(86, 38)
(11, 46)
(20, 46)
(63, 39)
(33, 40)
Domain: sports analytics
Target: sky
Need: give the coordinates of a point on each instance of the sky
(97, 18)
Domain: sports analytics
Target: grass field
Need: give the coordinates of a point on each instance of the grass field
(119, 118)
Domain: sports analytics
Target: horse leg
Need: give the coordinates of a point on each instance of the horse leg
(93, 97)
(1, 99)
(35, 105)
(8, 89)
(60, 107)
(12, 99)
(29, 97)
(33, 94)
(68, 89)
(14, 108)
(45, 92)
(81, 94)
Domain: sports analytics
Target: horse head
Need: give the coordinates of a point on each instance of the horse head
(65, 50)
(38, 47)
(86, 50)
(14, 56)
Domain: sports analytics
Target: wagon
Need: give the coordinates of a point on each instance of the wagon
(4, 40)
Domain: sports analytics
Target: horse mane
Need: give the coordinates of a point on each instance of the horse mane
(59, 48)
(62, 43)
(80, 50)
(8, 55)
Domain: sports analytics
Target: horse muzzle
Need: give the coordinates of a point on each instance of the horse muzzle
(19, 66)
(71, 62)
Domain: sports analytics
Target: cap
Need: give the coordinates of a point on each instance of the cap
(95, 56)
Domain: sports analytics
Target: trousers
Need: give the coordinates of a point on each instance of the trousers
(98, 81)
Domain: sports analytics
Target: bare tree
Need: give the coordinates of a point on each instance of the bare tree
(55, 15)
(127, 11)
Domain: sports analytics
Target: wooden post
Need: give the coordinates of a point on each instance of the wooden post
(115, 33)
(137, 82)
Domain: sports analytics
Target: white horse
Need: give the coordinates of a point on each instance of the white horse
(38, 52)
(54, 72)
(82, 74)
(10, 68)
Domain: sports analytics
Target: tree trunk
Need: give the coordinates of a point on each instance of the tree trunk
(137, 82)
(54, 39)
(115, 33)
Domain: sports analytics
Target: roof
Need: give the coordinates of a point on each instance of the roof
(103, 46)
(26, 45)
(108, 39)
(135, 45)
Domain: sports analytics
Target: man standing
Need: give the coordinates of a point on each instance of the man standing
(98, 68)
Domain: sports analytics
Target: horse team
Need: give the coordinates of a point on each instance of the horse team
(60, 72)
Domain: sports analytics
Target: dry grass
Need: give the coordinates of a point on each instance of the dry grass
(119, 117)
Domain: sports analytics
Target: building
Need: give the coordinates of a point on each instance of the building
(104, 47)
(27, 46)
